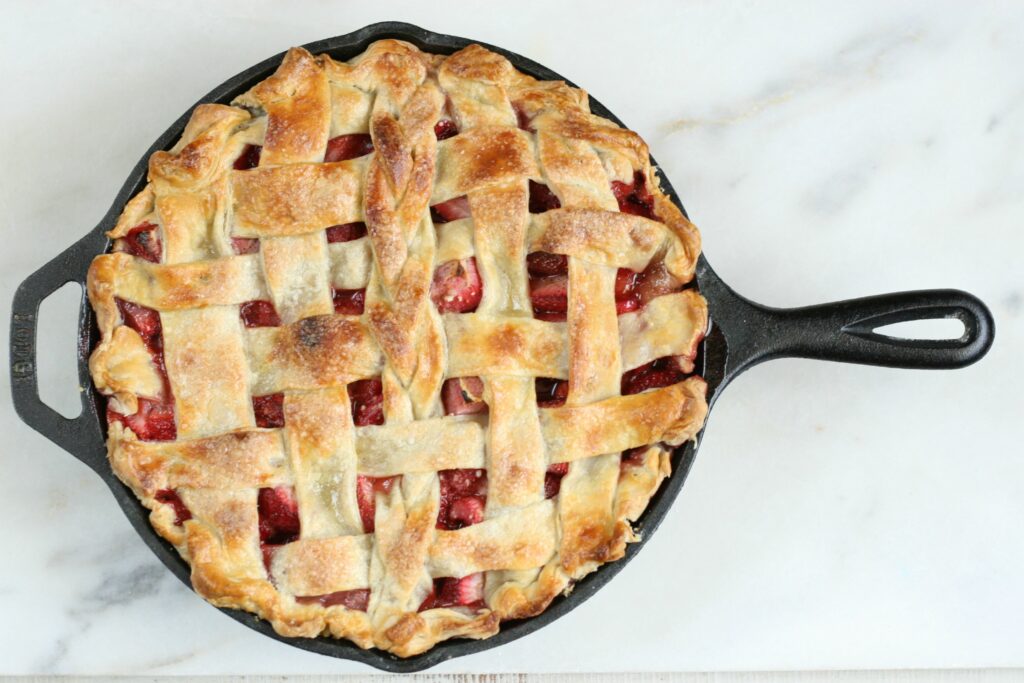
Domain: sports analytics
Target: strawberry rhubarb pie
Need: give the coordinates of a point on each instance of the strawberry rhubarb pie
(397, 348)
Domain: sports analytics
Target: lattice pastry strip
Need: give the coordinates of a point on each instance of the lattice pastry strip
(395, 347)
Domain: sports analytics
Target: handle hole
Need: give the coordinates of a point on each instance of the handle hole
(57, 350)
(938, 329)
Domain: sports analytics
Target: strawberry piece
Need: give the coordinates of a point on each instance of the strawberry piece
(445, 128)
(550, 297)
(143, 320)
(245, 245)
(249, 158)
(367, 489)
(625, 283)
(171, 497)
(358, 599)
(626, 297)
(259, 314)
(559, 469)
(367, 399)
(349, 301)
(153, 421)
(627, 306)
(551, 393)
(542, 198)
(451, 210)
(452, 592)
(465, 511)
(658, 373)
(463, 482)
(142, 241)
(634, 457)
(635, 198)
(345, 147)
(463, 496)
(346, 232)
(278, 514)
(268, 555)
(522, 118)
(463, 396)
(541, 263)
(553, 479)
(269, 410)
(655, 281)
(456, 287)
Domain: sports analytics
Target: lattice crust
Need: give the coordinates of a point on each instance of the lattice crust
(215, 410)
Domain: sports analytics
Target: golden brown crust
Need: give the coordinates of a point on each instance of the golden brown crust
(512, 130)
(252, 459)
(277, 201)
(124, 369)
(297, 102)
(672, 414)
(320, 352)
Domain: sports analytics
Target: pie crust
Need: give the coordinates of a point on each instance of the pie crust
(397, 348)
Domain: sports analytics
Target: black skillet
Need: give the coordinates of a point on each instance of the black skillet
(742, 334)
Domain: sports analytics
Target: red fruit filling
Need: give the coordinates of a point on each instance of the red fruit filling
(153, 421)
(357, 599)
(346, 232)
(553, 479)
(452, 592)
(445, 128)
(269, 410)
(463, 396)
(542, 199)
(345, 147)
(634, 457)
(457, 287)
(171, 497)
(367, 399)
(551, 393)
(655, 281)
(154, 418)
(146, 322)
(550, 297)
(549, 285)
(626, 298)
(143, 241)
(541, 263)
(278, 514)
(249, 158)
(451, 210)
(367, 489)
(463, 496)
(259, 314)
(635, 198)
(245, 245)
(522, 118)
(658, 373)
(349, 301)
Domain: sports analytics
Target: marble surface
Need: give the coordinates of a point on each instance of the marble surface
(837, 517)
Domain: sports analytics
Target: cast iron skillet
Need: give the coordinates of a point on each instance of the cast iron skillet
(742, 334)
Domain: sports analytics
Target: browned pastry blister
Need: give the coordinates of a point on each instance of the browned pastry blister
(210, 240)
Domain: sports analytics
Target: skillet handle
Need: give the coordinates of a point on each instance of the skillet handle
(79, 435)
(845, 330)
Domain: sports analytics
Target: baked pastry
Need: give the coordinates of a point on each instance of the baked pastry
(397, 348)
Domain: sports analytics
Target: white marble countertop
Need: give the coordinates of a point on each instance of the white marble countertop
(837, 516)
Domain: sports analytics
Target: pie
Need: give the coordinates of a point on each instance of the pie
(398, 348)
